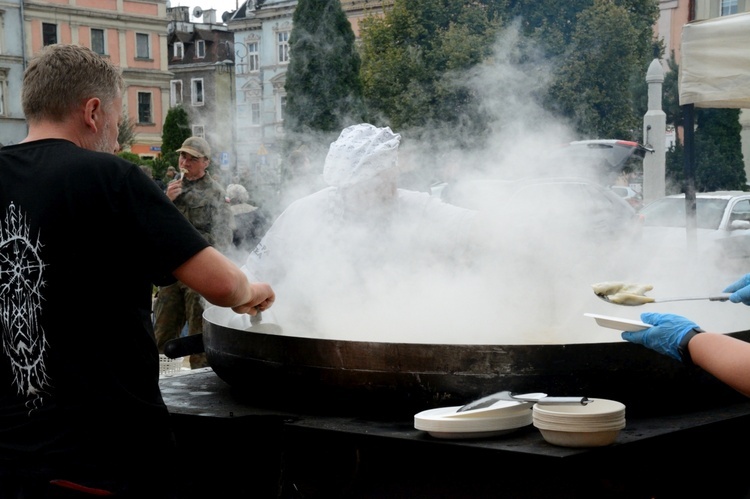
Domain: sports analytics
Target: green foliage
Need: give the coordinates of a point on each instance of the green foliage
(414, 59)
(131, 156)
(159, 166)
(174, 132)
(323, 86)
(719, 163)
(670, 94)
(594, 78)
(550, 23)
(126, 131)
(593, 89)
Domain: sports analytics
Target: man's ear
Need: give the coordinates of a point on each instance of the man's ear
(92, 113)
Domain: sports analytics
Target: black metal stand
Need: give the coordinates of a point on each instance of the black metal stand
(248, 451)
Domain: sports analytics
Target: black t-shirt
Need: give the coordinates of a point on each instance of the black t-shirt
(83, 236)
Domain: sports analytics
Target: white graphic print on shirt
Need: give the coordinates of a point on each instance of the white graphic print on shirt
(21, 282)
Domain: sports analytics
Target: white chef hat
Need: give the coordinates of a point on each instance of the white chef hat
(360, 153)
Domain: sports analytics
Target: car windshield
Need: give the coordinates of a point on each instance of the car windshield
(670, 212)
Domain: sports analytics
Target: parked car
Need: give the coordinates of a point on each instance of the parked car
(571, 207)
(628, 194)
(722, 221)
(601, 159)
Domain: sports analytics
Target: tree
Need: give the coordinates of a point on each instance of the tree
(413, 62)
(594, 88)
(323, 87)
(719, 163)
(130, 156)
(174, 132)
(596, 75)
(671, 97)
(126, 132)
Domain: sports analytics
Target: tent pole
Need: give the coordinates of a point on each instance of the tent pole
(688, 122)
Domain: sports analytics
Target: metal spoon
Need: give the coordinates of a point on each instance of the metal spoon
(720, 297)
(530, 398)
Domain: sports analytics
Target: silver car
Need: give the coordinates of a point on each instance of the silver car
(722, 221)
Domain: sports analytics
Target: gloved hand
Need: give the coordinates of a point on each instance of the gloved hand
(666, 336)
(740, 290)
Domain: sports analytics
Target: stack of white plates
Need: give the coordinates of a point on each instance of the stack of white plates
(575, 425)
(500, 418)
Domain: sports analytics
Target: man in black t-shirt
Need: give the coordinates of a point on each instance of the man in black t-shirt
(73, 216)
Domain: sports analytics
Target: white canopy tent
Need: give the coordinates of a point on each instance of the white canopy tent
(714, 73)
(715, 64)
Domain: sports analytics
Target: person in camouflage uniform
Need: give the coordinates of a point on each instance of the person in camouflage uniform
(204, 203)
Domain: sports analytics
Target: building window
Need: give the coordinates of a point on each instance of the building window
(255, 113)
(282, 46)
(3, 90)
(253, 57)
(175, 92)
(200, 49)
(728, 7)
(2, 34)
(142, 49)
(282, 108)
(49, 34)
(144, 108)
(198, 131)
(196, 91)
(97, 41)
(178, 50)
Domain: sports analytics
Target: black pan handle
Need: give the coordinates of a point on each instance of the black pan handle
(184, 346)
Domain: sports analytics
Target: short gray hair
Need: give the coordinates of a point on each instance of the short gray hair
(60, 76)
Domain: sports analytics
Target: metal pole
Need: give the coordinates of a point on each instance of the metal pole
(688, 120)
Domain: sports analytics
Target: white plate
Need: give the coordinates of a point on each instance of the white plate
(474, 434)
(619, 323)
(439, 421)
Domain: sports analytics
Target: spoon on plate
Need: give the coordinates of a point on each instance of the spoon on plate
(634, 300)
(530, 398)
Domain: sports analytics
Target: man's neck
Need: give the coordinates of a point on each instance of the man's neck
(52, 130)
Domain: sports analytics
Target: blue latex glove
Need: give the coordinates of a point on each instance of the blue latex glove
(740, 290)
(665, 336)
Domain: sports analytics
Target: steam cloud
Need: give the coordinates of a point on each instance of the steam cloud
(525, 283)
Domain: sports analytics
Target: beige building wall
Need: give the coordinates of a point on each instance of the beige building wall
(120, 20)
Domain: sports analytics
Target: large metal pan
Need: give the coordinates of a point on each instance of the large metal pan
(400, 379)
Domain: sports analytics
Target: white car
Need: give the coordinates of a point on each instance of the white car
(722, 226)
(628, 194)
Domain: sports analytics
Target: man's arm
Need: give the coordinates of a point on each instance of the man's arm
(222, 283)
(725, 357)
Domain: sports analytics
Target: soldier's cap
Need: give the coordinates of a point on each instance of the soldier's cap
(197, 147)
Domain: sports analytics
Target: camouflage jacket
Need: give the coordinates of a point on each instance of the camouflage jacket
(204, 202)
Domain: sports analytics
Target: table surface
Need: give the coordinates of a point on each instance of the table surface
(202, 393)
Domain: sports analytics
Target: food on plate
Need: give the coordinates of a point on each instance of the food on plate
(623, 293)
